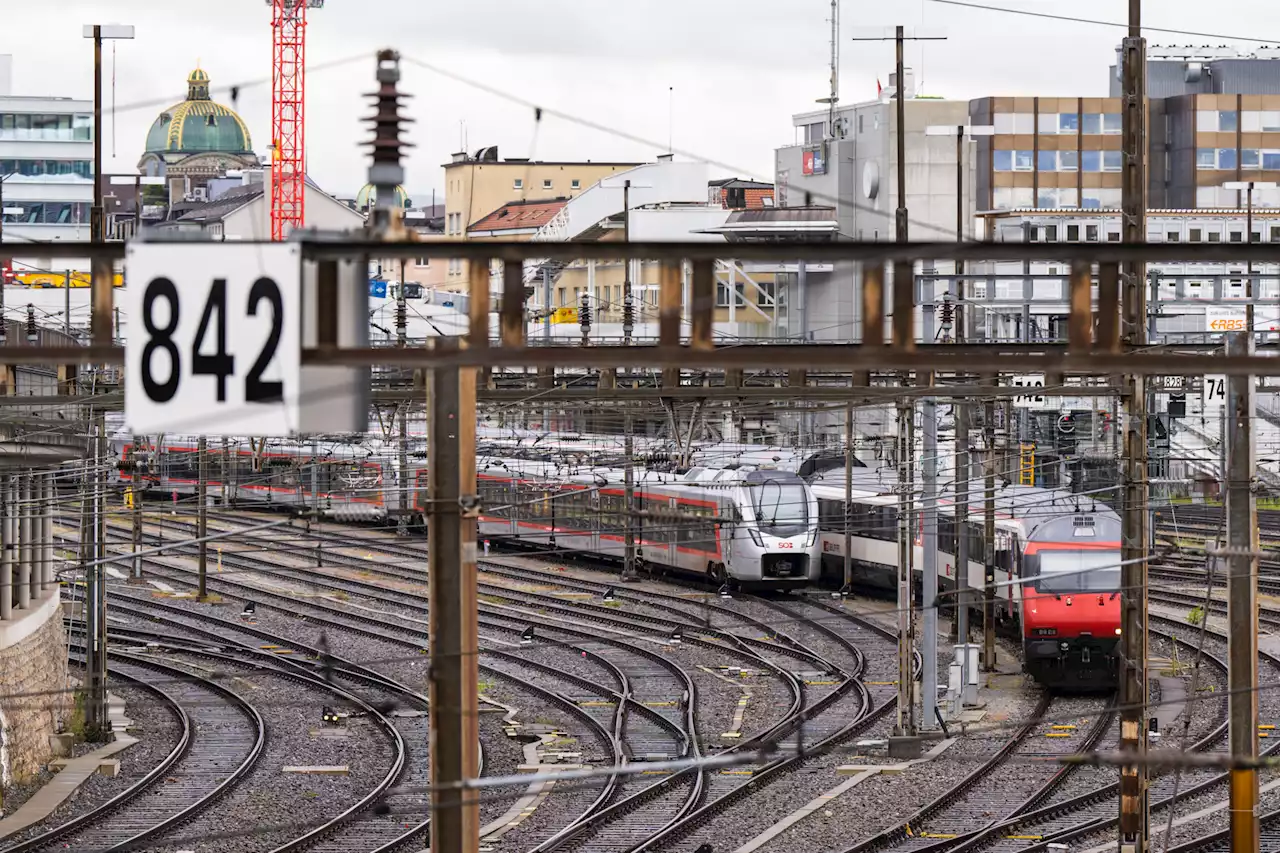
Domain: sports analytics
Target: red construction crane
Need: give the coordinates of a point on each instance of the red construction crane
(288, 112)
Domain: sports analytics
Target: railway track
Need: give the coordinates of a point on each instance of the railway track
(220, 632)
(221, 740)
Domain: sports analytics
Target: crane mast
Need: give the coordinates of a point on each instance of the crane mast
(288, 113)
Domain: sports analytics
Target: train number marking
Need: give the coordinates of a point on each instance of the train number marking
(214, 339)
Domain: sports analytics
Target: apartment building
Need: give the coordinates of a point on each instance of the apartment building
(46, 168)
(480, 184)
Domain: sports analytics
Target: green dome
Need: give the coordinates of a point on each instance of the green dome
(198, 125)
(368, 195)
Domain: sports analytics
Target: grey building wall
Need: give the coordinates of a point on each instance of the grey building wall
(1168, 78)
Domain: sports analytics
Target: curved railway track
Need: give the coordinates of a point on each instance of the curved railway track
(222, 737)
(376, 833)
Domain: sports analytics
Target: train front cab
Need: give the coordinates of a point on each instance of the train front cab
(775, 541)
(1071, 603)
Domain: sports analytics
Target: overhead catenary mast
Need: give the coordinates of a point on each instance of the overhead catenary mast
(834, 97)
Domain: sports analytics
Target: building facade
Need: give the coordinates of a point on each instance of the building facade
(46, 167)
(478, 185)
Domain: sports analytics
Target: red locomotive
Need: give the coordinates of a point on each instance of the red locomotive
(1071, 601)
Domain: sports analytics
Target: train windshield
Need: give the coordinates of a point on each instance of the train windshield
(1079, 571)
(782, 509)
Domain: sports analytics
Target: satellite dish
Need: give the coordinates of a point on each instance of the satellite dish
(871, 180)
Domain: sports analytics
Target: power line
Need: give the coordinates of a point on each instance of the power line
(1078, 20)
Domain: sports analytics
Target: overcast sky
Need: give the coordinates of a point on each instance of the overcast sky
(739, 68)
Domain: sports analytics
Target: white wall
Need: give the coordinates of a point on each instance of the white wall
(253, 221)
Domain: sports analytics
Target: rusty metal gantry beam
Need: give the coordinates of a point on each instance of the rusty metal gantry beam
(1104, 357)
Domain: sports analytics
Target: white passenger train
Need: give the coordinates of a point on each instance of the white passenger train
(748, 527)
(1022, 514)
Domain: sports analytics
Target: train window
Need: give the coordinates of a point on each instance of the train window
(831, 515)
(946, 534)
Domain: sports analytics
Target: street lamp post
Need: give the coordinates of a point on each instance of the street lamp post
(101, 313)
(101, 333)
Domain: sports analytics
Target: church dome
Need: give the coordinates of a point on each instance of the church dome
(198, 125)
(369, 194)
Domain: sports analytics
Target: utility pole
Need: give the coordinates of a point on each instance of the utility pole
(202, 522)
(848, 500)
(989, 537)
(452, 621)
(628, 301)
(402, 410)
(629, 500)
(903, 742)
(929, 541)
(1242, 598)
(96, 598)
(1135, 540)
(900, 214)
(136, 488)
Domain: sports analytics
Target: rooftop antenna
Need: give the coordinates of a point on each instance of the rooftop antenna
(834, 98)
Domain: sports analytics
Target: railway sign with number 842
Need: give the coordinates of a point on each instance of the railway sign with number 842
(214, 338)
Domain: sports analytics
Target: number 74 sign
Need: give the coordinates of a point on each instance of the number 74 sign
(214, 338)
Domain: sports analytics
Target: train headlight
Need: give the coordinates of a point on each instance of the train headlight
(756, 537)
(1117, 632)
(1064, 645)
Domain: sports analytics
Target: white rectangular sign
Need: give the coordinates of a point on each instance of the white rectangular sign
(214, 340)
(1219, 319)
(1215, 391)
(1029, 401)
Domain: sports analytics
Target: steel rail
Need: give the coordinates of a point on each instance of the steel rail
(147, 782)
(1111, 791)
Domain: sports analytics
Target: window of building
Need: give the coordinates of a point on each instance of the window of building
(1226, 158)
(1002, 160)
(1073, 233)
(1237, 236)
(1206, 158)
(1091, 161)
(722, 294)
(1091, 123)
(1207, 121)
(1051, 233)
(1112, 161)
(1255, 237)
(575, 184)
(518, 184)
(1269, 121)
(78, 168)
(1047, 198)
(1068, 122)
(1172, 236)
(1014, 122)
(1112, 123)
(1250, 158)
(1275, 233)
(1215, 237)
(1068, 161)
(813, 133)
(546, 184)
(1195, 235)
(1270, 158)
(423, 262)
(1091, 233)
(1228, 121)
(1047, 123)
(1113, 236)
(1047, 161)
(48, 127)
(1023, 161)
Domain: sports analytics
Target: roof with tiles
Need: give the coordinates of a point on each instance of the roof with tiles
(516, 215)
